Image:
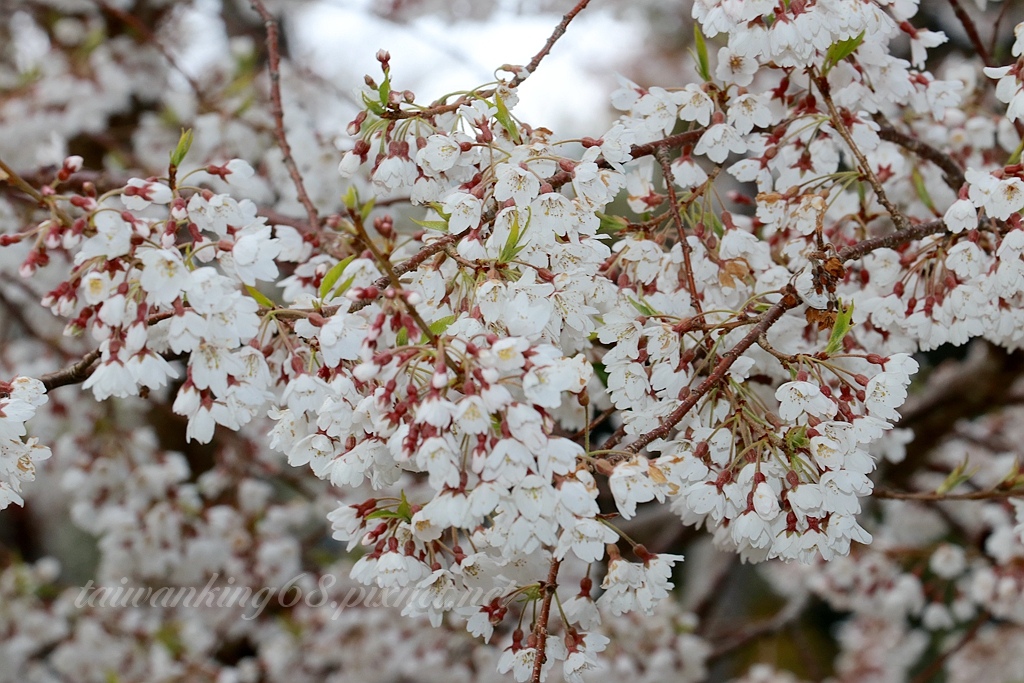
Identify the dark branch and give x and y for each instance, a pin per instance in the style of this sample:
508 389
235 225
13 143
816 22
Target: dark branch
274 68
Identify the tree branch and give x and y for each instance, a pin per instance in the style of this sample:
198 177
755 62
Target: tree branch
673 199
274 69
768 318
892 240
837 121
972 31
73 374
11 176
953 173
933 497
540 630
932 670
555 35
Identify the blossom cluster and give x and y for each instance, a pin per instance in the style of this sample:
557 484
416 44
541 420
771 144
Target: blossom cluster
19 400
713 311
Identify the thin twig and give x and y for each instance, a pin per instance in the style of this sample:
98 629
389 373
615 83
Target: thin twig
677 140
412 263
541 628
274 69
137 25
555 35
953 173
935 667
768 318
972 31
73 374
787 615
673 199
933 497
837 121
9 175
892 240
447 107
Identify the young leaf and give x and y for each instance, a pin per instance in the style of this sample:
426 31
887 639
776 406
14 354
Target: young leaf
351 198
702 53
184 143
958 476
611 224
511 248
844 321
441 324
372 105
505 119
364 212
442 226
260 297
841 50
404 509
383 514
333 274
922 191
343 287
643 308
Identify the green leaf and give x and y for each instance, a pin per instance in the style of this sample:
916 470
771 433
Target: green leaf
343 287
384 91
505 119
364 212
796 438
372 105
333 274
841 50
611 224
1015 157
404 509
184 143
702 53
351 198
922 191
441 324
716 224
432 225
643 308
402 337
958 476
383 514
260 297
511 248
844 322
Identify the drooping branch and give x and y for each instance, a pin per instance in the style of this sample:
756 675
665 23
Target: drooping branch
277 110
149 36
892 240
767 319
673 200
540 630
73 374
555 36
529 69
10 176
897 216
935 497
677 140
971 29
953 174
